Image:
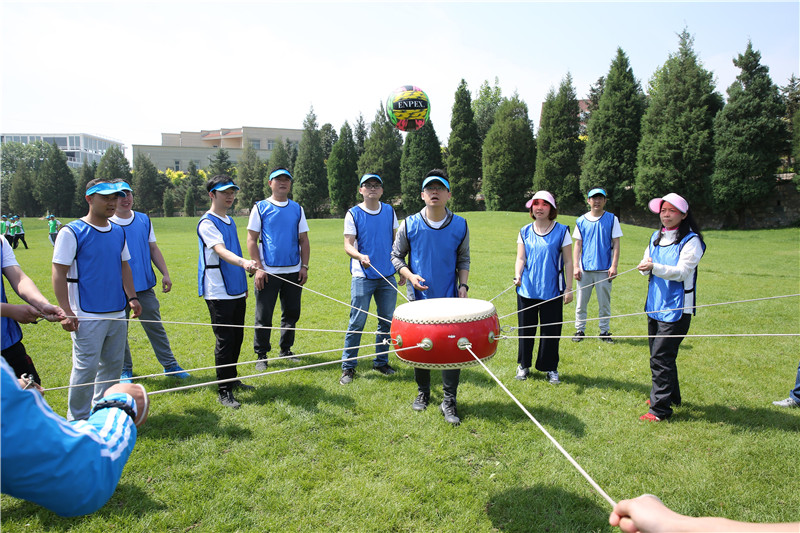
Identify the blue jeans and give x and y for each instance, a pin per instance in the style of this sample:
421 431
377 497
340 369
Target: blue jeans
795 393
361 291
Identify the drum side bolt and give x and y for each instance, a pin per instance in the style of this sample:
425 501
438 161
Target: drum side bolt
463 343
491 337
399 341
426 344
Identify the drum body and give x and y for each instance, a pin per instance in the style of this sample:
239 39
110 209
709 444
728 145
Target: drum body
444 327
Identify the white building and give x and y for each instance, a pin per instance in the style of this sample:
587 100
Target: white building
79 147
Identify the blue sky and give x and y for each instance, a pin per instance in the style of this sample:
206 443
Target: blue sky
132 70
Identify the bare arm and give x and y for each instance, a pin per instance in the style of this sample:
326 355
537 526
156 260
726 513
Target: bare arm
28 291
305 255
70 323
576 259
261 278
566 253
519 264
612 272
130 291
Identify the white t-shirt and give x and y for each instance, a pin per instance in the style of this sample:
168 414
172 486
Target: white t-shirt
254 224
9 259
214 286
64 254
616 231
127 222
350 229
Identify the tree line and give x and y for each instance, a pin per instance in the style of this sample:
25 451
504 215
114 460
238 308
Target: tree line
680 135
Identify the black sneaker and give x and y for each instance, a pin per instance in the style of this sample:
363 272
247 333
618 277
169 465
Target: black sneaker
421 402
290 355
238 385
226 398
448 409
261 362
386 370
347 376
606 337
578 337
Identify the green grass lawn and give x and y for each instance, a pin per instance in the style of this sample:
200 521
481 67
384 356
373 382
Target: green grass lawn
307 454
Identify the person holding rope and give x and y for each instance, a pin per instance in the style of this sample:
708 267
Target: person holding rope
71 469
282 260
369 230
36 307
670 262
141 240
93 283
544 255
222 281
595 260
436 242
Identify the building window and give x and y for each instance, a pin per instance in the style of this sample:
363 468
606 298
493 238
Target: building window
255 143
177 165
270 144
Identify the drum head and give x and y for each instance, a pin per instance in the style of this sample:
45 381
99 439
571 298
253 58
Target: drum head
444 311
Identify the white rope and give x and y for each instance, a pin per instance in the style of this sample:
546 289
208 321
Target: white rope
324 295
651 336
505 291
389 283
564 294
240 363
560 448
512 328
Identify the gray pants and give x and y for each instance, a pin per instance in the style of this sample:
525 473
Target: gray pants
97 349
151 310
584 294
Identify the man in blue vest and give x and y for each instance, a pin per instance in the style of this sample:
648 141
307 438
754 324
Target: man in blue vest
595 258
93 284
282 257
141 240
222 281
369 230
436 242
37 307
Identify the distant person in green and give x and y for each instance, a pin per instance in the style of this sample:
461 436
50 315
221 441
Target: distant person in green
5 229
53 226
19 232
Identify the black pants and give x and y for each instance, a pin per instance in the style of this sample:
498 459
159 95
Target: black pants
20 361
10 239
663 365
548 313
20 237
266 299
450 379
229 340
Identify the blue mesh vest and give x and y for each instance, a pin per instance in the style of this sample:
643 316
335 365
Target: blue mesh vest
543 276
596 242
279 233
665 298
374 237
137 235
99 267
433 254
233 277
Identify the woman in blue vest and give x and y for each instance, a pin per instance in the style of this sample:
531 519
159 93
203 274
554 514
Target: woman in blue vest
544 254
670 260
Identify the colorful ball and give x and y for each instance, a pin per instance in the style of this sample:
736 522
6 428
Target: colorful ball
408 108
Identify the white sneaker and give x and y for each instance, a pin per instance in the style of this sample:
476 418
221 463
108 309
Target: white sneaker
788 402
522 373
552 378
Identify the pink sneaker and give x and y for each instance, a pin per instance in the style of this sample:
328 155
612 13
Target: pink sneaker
649 417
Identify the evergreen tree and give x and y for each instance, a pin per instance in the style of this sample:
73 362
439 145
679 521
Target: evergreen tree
342 172
291 151
188 203
559 150
250 176
614 131
278 159
487 101
676 153
596 91
21 198
509 157
360 135
382 152
749 138
147 188
54 183
200 199
790 94
114 166
421 154
168 203
11 153
310 186
796 144
85 175
329 138
220 163
464 153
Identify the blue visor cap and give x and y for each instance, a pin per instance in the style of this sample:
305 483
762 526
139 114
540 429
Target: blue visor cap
436 178
280 171
118 188
366 177
595 192
225 186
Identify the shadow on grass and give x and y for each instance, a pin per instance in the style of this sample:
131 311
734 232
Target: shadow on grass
298 395
192 421
544 508
551 419
124 498
747 418
586 382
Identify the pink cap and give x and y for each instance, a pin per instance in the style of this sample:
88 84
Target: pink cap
542 195
674 199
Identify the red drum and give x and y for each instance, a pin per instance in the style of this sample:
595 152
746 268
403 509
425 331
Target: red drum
444 327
